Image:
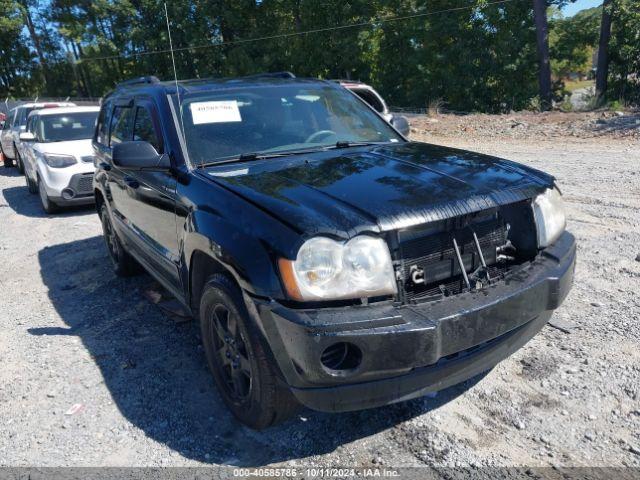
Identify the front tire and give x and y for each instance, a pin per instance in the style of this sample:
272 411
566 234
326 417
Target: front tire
19 164
244 375
31 185
124 265
47 204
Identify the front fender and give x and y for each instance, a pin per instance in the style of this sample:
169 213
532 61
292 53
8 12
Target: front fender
244 256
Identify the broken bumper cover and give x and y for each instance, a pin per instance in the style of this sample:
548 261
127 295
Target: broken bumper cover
412 350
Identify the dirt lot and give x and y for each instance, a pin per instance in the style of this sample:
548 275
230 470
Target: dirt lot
525 126
94 374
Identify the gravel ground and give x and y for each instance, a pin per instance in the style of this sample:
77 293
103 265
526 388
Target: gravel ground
623 125
94 374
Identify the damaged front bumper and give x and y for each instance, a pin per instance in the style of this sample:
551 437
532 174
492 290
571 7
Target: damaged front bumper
410 350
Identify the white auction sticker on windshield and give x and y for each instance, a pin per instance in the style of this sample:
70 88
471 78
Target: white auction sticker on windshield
215 112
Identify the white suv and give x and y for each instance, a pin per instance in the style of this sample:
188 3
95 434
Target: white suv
58 156
373 98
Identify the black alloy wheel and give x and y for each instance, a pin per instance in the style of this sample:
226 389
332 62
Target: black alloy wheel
234 356
245 374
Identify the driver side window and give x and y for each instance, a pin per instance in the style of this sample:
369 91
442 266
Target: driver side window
16 116
143 129
31 123
37 130
121 125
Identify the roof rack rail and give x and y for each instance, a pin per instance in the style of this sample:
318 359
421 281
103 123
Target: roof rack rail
139 80
344 80
272 75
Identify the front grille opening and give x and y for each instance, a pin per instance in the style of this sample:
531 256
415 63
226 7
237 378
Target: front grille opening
487 244
455 285
341 357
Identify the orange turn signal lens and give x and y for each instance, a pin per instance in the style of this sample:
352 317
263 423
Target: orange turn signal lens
289 279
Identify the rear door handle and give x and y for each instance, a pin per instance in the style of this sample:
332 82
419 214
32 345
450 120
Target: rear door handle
131 182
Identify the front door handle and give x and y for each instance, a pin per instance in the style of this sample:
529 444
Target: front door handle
131 182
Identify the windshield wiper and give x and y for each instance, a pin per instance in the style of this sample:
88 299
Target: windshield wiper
348 144
251 156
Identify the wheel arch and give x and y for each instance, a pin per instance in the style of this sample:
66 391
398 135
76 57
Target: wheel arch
213 245
203 266
99 198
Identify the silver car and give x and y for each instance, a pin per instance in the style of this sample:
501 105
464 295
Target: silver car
15 123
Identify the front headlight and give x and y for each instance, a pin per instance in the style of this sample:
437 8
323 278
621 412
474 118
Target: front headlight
548 210
325 269
59 161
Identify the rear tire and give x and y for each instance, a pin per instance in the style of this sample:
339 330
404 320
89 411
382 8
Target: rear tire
47 204
5 160
124 265
8 163
245 376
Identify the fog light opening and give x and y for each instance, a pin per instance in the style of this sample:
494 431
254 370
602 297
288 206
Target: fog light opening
68 194
341 358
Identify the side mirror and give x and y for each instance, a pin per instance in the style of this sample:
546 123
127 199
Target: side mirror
2 125
139 155
401 124
27 137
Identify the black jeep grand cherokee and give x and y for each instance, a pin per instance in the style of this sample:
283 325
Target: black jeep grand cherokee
331 262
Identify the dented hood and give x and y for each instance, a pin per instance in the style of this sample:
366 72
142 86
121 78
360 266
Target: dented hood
346 191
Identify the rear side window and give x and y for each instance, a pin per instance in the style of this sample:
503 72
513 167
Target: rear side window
121 125
143 129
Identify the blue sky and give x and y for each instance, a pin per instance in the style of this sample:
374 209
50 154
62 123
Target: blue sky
573 8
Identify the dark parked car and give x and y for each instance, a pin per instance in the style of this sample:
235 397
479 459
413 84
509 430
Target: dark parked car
330 262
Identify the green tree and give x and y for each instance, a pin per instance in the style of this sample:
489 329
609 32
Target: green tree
624 53
16 60
573 41
472 55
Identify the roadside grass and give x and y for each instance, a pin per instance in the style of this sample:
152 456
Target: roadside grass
572 85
